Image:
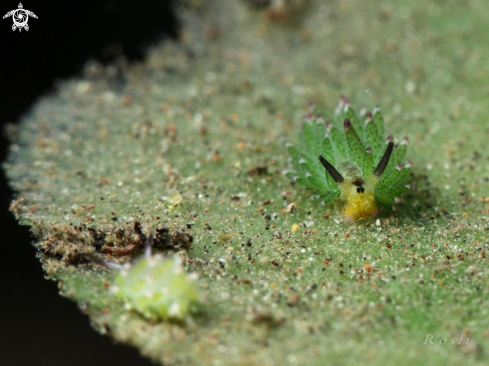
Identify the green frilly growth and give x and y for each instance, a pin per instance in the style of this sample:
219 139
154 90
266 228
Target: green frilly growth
354 145
157 287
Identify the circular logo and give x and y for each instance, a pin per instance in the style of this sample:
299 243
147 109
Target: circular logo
20 17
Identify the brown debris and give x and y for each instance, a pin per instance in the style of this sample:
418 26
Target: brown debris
177 240
260 170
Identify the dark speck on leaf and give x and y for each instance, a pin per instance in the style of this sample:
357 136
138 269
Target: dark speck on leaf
114 218
259 170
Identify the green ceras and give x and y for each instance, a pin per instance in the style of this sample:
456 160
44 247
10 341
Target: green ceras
354 164
155 286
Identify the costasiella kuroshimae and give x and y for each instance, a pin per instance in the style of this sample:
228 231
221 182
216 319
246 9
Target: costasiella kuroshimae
355 164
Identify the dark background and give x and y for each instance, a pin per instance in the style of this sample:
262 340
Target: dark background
37 326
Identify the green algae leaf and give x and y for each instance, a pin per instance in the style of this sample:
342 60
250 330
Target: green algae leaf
327 150
388 180
191 148
355 122
320 131
339 143
355 146
368 166
308 135
372 135
320 183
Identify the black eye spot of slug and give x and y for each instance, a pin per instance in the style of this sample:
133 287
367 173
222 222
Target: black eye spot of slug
360 189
